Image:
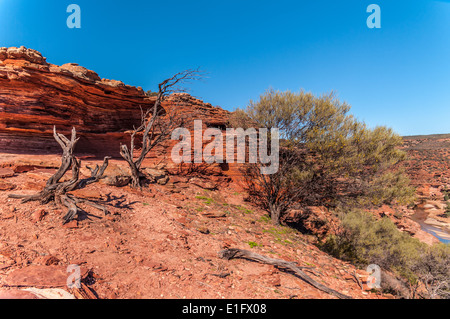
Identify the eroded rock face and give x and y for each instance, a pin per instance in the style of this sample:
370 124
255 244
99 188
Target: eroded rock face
36 95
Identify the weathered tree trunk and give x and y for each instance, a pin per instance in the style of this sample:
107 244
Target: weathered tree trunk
58 191
135 171
275 214
154 128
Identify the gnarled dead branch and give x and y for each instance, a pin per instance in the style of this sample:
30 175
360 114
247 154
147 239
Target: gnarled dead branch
57 191
156 124
240 253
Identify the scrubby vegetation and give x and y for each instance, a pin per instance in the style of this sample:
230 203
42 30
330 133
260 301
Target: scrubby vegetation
365 240
446 194
327 157
447 210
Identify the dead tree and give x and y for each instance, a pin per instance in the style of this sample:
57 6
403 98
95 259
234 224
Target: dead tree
57 191
156 124
241 253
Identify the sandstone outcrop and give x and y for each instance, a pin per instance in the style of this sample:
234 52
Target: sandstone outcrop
36 95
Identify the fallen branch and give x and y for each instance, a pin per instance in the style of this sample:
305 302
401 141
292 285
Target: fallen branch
245 254
83 292
357 280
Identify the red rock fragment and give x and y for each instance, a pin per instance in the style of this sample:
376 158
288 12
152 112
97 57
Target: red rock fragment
6 172
38 215
38 276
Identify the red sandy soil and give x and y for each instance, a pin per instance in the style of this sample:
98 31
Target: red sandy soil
161 242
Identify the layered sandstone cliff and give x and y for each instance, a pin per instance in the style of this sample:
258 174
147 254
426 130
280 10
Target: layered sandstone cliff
36 95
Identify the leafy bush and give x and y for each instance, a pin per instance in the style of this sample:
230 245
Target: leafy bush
447 210
326 157
365 240
433 270
446 193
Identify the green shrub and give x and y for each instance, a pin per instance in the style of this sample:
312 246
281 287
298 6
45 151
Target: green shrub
433 270
326 156
150 93
447 210
366 240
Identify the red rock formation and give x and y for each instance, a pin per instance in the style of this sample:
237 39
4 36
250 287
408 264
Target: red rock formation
36 95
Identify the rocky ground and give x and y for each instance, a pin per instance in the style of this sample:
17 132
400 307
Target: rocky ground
161 242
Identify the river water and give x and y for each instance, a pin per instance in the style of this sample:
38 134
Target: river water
440 233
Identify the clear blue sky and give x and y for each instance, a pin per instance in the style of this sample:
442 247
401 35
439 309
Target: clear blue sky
397 76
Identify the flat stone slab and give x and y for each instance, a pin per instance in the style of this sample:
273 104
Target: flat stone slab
6 172
17 294
6 186
35 293
38 276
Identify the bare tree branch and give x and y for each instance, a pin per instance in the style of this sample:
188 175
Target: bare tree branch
156 123
57 191
240 253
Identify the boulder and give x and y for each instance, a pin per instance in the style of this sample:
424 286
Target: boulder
155 175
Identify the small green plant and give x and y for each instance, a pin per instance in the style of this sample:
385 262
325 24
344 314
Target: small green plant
244 210
252 244
145 204
277 292
208 200
199 209
265 218
278 230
